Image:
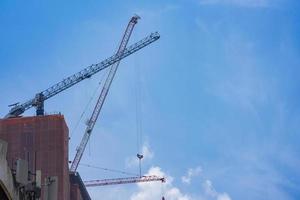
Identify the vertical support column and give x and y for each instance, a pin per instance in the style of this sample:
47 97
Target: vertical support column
39 104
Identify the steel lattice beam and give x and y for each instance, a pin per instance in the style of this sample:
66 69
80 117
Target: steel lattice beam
127 180
68 82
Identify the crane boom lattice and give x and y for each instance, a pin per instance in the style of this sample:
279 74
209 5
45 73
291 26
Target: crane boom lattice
127 180
38 100
103 94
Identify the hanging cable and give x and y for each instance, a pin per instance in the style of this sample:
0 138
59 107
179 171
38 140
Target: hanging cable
138 109
162 192
88 104
110 170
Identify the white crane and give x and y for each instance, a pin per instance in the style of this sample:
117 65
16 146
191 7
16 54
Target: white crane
91 122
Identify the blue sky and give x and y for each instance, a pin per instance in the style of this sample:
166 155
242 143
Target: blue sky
219 91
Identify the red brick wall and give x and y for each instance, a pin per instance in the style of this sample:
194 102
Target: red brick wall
43 141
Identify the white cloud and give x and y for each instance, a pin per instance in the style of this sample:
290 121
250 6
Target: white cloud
147 155
223 196
242 3
190 174
155 190
146 152
211 191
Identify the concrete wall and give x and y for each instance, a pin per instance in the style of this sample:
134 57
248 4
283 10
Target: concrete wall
6 178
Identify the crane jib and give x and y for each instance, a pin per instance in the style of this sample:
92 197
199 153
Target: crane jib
83 74
93 69
126 180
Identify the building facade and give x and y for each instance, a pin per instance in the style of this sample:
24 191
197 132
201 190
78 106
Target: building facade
43 142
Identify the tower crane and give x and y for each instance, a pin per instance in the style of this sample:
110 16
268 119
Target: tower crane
91 122
126 180
38 101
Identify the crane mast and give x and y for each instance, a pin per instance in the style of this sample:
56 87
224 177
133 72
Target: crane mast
38 100
127 180
91 122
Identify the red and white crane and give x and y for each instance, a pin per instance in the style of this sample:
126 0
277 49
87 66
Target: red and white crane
92 121
127 180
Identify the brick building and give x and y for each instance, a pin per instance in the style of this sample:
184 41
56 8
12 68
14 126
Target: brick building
43 142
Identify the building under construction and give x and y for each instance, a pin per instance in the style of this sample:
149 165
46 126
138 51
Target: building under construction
35 149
